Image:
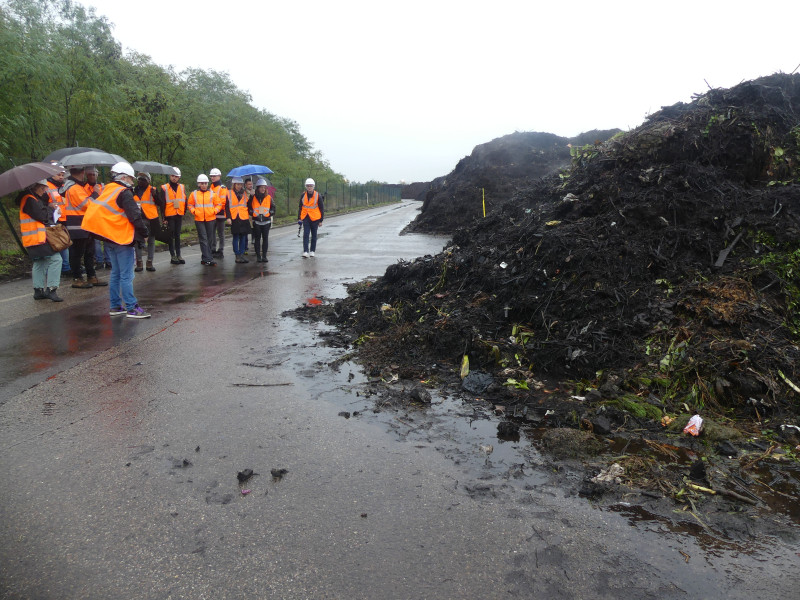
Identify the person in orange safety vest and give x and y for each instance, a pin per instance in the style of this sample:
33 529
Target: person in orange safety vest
204 206
174 195
76 200
36 213
310 214
115 217
54 183
149 201
262 207
217 241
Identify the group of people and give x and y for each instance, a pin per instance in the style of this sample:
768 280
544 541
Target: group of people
124 216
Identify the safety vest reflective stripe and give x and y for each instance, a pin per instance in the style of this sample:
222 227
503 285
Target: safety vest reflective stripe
238 206
203 205
104 217
175 201
262 208
311 207
223 195
147 204
56 199
76 200
32 230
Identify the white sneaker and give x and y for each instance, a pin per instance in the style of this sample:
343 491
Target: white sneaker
311 254
305 254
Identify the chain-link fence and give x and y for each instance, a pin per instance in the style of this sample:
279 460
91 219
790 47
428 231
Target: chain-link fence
339 196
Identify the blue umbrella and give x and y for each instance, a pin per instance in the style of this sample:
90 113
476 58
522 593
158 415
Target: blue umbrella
246 170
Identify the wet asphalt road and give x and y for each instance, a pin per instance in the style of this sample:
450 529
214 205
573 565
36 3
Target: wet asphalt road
120 442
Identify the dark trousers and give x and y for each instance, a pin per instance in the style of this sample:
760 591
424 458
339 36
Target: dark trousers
261 238
175 224
310 226
82 249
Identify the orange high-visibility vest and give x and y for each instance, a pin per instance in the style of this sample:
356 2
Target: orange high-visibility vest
147 203
238 206
204 206
56 199
90 188
311 207
261 209
175 201
32 230
104 217
76 200
221 192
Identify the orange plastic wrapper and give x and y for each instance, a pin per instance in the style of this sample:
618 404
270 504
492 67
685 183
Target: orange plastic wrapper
694 426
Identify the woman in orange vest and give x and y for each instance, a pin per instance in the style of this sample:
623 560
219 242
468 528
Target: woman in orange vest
35 213
115 218
54 184
310 215
149 202
263 209
238 215
204 206
174 195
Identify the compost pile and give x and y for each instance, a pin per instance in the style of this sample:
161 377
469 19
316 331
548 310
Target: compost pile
490 176
658 274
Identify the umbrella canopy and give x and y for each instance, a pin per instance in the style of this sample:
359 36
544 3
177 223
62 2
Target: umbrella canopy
245 170
22 176
149 166
92 158
57 155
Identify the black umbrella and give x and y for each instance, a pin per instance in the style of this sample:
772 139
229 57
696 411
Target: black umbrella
57 155
97 158
22 176
149 166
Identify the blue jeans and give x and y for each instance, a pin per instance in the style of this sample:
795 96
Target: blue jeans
310 226
239 243
65 260
100 252
120 283
47 271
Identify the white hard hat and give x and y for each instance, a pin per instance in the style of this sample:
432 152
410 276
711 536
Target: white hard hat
202 178
42 182
237 180
310 181
261 181
177 171
144 175
122 168
215 171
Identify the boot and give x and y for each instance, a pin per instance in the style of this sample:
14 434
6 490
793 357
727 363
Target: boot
39 294
174 260
81 283
239 259
139 267
244 260
150 266
51 293
180 260
95 281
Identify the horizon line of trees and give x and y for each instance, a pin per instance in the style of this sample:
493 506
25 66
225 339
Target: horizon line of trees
66 82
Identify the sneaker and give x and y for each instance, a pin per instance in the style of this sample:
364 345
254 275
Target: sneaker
137 312
311 254
117 310
305 254
181 261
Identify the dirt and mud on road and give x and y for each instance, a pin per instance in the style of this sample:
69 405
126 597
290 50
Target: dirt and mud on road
595 310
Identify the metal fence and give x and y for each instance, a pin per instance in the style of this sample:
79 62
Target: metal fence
339 196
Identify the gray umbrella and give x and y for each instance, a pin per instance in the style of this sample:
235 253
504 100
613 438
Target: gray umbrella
96 158
58 155
149 166
22 176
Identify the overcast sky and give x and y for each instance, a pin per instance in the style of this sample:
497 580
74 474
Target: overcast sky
402 91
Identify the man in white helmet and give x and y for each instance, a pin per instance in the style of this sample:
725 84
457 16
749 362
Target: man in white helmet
310 215
116 218
217 241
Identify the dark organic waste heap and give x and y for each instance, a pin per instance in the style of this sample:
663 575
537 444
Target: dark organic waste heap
665 260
